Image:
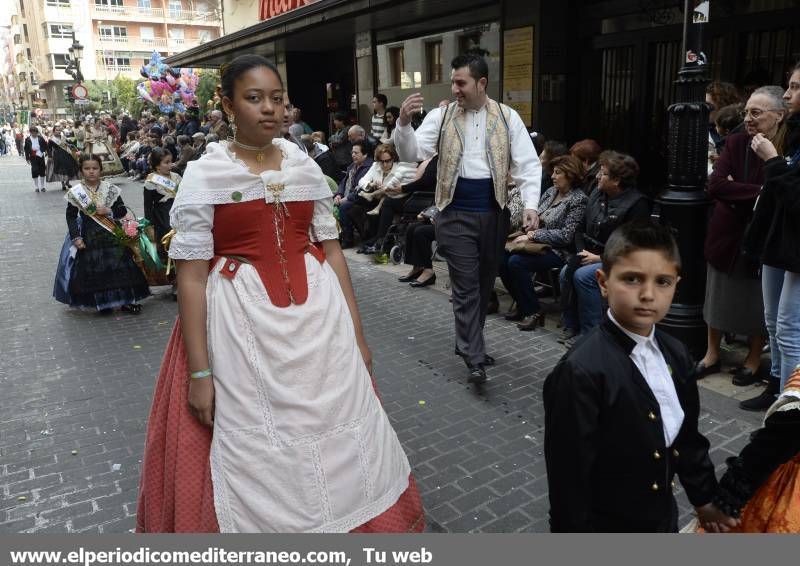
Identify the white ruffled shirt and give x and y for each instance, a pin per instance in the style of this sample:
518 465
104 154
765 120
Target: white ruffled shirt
219 178
524 167
650 362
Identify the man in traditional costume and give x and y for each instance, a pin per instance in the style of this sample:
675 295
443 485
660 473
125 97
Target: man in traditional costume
480 143
35 149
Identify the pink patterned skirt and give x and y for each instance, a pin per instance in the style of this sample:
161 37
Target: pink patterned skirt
176 494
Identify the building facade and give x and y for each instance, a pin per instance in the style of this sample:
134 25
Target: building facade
118 37
603 69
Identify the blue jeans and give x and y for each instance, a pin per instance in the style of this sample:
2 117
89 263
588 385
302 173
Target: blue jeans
516 272
781 291
344 218
587 297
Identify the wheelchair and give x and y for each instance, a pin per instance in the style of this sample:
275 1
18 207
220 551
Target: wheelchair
395 239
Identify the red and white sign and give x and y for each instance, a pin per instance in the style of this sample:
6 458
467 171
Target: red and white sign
80 92
270 8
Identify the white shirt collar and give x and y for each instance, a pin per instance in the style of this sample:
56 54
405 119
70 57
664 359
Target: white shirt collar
638 338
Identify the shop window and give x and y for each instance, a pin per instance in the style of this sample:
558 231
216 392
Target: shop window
397 64
469 41
433 61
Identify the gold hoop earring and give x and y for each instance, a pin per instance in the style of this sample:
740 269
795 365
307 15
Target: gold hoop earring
232 119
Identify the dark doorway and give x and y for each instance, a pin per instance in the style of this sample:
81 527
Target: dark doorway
321 83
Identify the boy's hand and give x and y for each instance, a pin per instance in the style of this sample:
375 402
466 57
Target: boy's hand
715 521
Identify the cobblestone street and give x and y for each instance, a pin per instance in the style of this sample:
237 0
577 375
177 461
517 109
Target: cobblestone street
76 390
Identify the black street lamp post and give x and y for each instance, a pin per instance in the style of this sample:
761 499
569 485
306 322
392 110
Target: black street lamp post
75 56
684 204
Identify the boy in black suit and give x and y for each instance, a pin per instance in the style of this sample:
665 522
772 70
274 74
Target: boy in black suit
621 407
35 148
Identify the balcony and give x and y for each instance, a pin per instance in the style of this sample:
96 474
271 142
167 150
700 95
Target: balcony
193 17
127 13
132 43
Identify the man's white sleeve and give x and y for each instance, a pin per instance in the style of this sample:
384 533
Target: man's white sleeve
525 168
414 146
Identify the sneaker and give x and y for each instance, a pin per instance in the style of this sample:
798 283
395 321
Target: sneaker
767 397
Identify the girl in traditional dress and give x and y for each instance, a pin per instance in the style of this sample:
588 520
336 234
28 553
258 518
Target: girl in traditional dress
104 275
35 149
264 416
160 188
65 166
762 485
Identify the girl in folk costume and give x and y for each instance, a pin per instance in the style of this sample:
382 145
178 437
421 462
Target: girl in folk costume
762 485
104 275
265 417
35 149
62 155
160 188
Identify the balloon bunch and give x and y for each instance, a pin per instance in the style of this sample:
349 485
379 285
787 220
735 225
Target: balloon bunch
166 88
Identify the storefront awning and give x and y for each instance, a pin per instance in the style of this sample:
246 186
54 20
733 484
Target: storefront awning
332 23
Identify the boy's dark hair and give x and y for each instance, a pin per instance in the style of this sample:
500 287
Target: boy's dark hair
478 68
636 236
729 117
380 97
89 157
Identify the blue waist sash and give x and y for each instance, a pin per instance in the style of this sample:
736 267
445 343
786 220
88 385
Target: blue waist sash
473 195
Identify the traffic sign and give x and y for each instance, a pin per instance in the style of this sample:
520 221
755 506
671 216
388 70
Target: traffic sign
80 92
82 101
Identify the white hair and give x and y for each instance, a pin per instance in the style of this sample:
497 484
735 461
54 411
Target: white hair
775 95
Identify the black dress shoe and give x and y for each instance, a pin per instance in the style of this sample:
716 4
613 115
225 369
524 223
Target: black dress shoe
514 316
744 377
477 374
409 278
487 359
767 397
701 370
427 283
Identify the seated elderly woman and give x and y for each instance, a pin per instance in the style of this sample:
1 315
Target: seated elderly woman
384 180
616 202
561 210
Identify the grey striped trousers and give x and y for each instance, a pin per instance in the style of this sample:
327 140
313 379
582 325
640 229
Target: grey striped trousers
472 244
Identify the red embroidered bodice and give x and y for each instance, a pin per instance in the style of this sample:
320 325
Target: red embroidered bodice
274 239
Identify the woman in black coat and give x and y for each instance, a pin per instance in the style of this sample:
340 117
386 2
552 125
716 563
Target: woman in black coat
772 237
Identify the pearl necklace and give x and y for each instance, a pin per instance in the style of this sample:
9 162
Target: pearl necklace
259 150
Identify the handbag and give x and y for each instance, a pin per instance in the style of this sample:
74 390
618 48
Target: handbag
530 248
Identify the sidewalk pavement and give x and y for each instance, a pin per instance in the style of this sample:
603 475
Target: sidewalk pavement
77 389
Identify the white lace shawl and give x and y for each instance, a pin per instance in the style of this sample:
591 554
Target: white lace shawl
219 178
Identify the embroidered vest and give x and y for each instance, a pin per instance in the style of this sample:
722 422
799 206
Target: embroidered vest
451 151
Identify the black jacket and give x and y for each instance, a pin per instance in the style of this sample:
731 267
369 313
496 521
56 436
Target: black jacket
604 215
608 469
774 231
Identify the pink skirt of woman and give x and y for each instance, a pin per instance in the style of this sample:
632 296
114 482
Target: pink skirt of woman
176 494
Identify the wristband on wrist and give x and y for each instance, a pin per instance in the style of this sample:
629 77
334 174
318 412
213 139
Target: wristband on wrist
201 374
